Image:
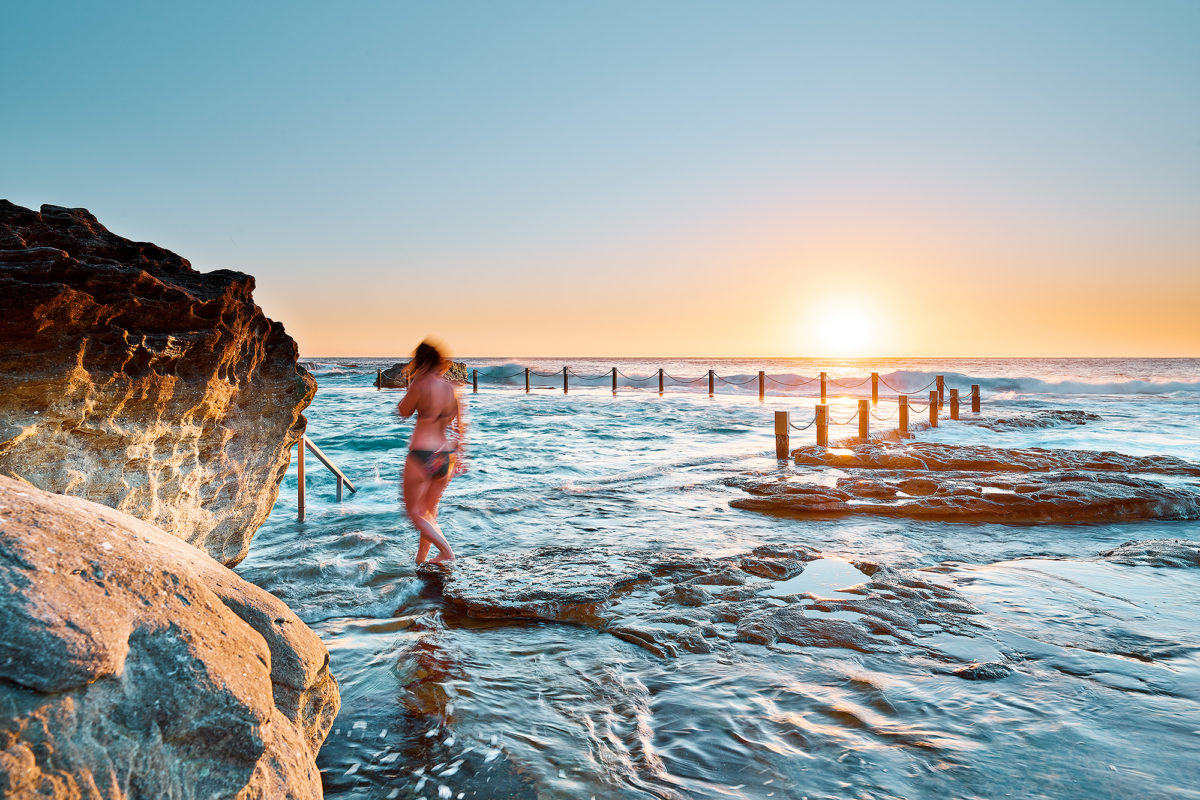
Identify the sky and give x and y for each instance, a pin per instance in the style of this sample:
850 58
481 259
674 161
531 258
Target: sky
583 178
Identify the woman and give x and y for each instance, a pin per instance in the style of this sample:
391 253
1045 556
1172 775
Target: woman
431 455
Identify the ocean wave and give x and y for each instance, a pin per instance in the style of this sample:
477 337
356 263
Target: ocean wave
776 382
598 482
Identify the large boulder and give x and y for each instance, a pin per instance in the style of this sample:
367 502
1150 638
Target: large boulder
131 379
396 377
133 665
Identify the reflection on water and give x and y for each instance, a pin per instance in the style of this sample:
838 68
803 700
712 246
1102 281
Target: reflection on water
615 629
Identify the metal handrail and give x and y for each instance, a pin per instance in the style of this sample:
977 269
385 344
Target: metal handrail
308 443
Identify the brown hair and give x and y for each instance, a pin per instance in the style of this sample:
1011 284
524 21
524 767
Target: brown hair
427 356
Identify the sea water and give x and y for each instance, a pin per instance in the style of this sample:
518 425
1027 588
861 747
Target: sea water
594 534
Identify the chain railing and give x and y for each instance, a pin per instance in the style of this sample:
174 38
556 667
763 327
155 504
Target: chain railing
821 418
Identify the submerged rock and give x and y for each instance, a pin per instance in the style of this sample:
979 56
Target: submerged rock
977 484
1049 418
394 377
131 379
133 665
1156 553
985 671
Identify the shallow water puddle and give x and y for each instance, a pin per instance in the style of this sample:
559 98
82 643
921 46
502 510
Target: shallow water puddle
819 578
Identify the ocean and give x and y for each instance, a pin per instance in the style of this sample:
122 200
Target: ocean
615 628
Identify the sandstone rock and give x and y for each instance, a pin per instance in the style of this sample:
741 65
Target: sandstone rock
129 378
133 665
394 378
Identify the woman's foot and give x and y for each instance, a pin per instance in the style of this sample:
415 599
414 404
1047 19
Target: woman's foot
441 558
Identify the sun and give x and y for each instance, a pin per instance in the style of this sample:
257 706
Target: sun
841 328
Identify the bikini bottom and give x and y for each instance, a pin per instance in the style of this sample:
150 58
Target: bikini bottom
437 463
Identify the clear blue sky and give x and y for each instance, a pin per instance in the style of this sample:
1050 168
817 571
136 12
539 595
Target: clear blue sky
635 178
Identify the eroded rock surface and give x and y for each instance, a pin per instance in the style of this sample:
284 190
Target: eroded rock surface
133 665
131 379
976 484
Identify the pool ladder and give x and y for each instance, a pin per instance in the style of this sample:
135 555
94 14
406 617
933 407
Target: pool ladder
307 443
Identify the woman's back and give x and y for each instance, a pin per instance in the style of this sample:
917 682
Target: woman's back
436 407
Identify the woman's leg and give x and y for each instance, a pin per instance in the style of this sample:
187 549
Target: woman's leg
416 487
433 496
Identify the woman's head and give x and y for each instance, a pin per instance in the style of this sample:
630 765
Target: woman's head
426 357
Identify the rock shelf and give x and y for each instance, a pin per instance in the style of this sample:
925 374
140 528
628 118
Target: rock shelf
976 484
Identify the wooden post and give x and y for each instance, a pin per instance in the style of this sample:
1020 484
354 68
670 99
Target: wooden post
782 423
710 383
933 408
475 381
660 382
300 478
762 384
874 387
527 380
864 419
339 488
564 380
822 425
941 390
822 387
903 401
614 381
975 398
954 404
378 379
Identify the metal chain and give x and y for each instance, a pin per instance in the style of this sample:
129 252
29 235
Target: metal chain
922 410
629 378
789 383
836 382
796 427
681 380
893 415
914 391
545 374
589 377
833 421
736 383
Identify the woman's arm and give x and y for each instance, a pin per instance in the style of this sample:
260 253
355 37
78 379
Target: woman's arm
408 403
460 417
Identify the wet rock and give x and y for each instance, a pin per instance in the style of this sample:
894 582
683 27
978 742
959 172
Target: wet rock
1049 418
131 379
395 377
792 625
133 665
1156 553
673 606
557 583
978 484
985 671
